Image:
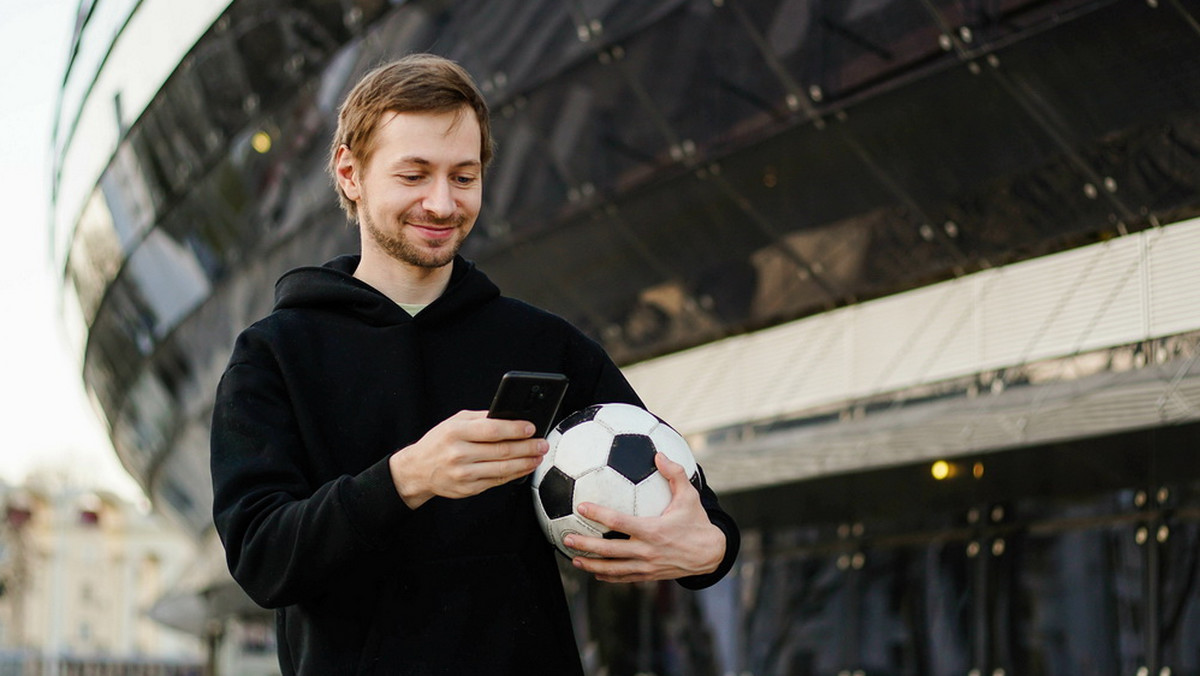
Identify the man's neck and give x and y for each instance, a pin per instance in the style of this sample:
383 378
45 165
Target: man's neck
403 282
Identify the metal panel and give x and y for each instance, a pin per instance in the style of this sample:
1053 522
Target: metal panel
807 367
1174 280
914 337
1082 299
1066 304
1017 417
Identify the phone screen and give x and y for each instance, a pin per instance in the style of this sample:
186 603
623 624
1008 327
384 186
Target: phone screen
529 395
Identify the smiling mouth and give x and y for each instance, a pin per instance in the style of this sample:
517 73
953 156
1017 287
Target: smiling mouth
434 231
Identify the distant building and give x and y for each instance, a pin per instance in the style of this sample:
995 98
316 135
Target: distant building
78 573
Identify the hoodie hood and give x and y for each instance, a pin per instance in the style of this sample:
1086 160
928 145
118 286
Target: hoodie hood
332 287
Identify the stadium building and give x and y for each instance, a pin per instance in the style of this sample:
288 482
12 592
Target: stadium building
919 279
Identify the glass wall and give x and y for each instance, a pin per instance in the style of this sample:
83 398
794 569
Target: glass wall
1075 559
683 169
122 53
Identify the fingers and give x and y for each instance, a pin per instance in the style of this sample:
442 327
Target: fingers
685 503
484 465
465 455
639 530
481 476
680 542
690 549
476 426
618 560
611 519
598 548
485 452
474 437
464 479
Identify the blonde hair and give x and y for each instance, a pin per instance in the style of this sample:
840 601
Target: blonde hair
421 83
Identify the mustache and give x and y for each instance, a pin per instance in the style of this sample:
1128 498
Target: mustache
422 217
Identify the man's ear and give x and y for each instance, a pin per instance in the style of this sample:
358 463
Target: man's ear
348 173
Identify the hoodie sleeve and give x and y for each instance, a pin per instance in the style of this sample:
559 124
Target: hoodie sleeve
283 536
733 538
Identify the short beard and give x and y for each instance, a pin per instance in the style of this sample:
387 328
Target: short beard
402 250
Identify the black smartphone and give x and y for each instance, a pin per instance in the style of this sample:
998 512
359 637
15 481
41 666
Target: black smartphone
529 395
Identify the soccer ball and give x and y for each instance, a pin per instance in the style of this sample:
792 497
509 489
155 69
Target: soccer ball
604 454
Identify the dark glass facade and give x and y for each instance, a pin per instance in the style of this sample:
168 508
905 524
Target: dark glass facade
685 170
1075 559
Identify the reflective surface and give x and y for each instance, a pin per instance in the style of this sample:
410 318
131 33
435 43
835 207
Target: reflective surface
1179 594
1053 562
1070 603
120 56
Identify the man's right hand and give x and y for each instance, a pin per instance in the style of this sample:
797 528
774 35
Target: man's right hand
465 455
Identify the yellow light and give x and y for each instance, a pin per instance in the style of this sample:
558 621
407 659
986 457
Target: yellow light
940 470
261 142
977 470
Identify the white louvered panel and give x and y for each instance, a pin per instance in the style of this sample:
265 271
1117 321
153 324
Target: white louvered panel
779 371
1025 303
1103 309
882 331
747 377
816 370
682 382
740 373
764 357
1084 299
662 383
1012 308
1174 295
923 335
956 351
1077 301
711 383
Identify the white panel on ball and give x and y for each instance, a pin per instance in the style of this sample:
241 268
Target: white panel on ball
668 442
653 495
624 418
605 487
560 528
581 448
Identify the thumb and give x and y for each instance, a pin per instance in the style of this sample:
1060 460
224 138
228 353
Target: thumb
674 473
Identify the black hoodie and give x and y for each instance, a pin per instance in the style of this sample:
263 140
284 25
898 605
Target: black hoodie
315 398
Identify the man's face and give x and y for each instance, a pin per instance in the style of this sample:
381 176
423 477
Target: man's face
420 193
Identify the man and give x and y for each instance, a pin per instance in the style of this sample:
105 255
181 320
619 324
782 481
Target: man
359 487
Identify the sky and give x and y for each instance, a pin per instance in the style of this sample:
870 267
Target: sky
47 424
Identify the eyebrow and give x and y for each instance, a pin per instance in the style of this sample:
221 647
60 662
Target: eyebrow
422 162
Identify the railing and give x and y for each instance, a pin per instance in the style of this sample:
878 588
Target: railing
31 663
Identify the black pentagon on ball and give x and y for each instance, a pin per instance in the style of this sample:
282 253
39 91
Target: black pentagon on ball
556 492
632 456
616 535
578 418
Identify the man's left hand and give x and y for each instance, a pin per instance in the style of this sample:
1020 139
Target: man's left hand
679 543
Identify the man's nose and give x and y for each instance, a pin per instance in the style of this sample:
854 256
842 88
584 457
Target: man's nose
439 201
